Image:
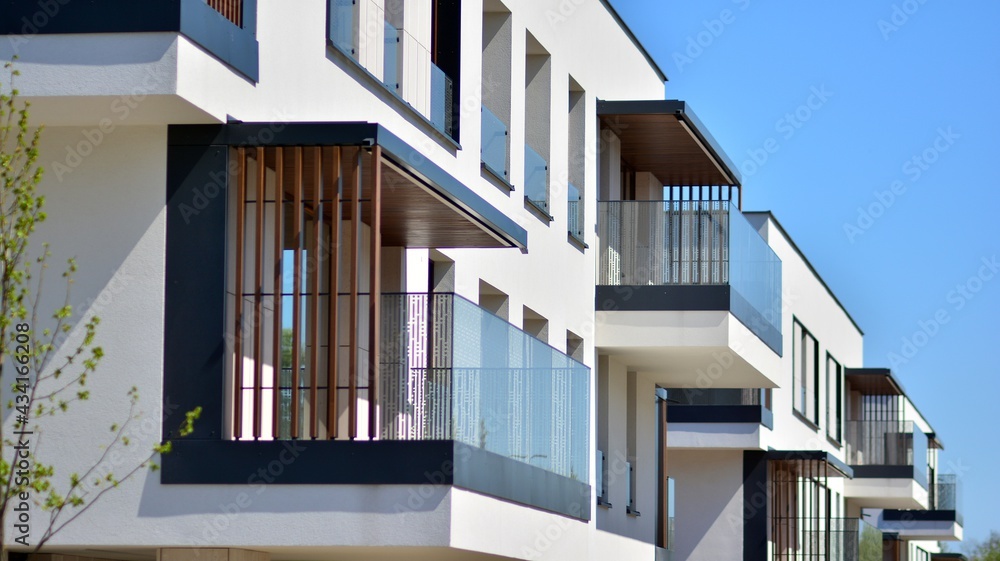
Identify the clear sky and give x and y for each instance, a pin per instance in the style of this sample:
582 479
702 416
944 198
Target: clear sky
857 99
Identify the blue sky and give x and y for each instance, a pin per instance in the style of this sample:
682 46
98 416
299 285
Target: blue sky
880 125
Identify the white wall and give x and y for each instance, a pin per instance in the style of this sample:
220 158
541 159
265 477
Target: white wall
709 502
109 210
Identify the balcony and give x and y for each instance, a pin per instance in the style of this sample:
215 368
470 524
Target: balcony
889 459
942 521
689 283
718 419
177 56
450 370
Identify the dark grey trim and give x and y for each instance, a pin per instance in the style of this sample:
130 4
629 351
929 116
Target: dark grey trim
683 112
495 178
805 260
194 317
753 414
814 455
194 19
685 298
755 501
635 40
883 472
577 242
894 515
345 462
358 134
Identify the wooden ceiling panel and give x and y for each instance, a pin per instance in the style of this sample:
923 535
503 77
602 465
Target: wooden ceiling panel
663 146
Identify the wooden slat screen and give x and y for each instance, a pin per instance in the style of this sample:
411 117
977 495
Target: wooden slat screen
306 245
230 9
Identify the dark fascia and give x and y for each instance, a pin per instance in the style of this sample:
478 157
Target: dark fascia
346 462
194 19
635 40
745 414
894 515
805 260
358 134
683 112
949 555
811 455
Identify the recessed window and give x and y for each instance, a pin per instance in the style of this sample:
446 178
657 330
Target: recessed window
576 172
834 398
496 87
805 372
537 125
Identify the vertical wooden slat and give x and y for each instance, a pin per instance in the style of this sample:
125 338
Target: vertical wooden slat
258 300
375 291
314 293
241 185
352 351
333 344
297 289
279 247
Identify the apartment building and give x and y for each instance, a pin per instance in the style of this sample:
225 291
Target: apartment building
449 280
834 462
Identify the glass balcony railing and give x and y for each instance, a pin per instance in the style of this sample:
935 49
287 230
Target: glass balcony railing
946 494
442 101
391 57
574 211
692 242
494 149
342 25
887 443
450 370
536 178
829 539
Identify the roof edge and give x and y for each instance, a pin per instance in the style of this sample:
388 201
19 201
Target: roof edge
681 110
635 40
805 260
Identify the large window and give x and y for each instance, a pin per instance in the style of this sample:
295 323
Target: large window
834 398
805 373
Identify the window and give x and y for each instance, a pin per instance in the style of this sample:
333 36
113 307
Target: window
834 398
537 125
497 41
805 373
577 161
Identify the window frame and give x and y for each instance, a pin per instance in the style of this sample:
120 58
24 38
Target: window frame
800 336
835 432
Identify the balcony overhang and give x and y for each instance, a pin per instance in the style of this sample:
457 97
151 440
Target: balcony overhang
833 467
665 138
234 45
890 490
423 206
688 349
944 525
874 381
